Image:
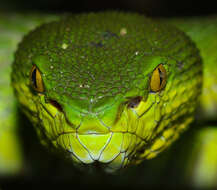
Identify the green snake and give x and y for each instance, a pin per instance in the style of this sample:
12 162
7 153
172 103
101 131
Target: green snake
109 88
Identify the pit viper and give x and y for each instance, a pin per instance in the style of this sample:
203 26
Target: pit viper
110 88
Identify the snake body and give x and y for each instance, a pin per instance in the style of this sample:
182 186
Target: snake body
109 88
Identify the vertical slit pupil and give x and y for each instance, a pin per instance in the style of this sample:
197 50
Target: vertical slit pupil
34 78
161 76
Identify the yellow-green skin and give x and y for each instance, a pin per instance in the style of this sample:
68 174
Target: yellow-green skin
93 65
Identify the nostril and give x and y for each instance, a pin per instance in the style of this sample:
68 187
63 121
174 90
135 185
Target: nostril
56 104
134 102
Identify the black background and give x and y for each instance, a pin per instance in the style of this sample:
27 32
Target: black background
148 7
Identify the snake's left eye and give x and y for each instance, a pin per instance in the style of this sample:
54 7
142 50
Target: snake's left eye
36 79
158 78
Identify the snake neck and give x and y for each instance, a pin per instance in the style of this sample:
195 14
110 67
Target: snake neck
203 31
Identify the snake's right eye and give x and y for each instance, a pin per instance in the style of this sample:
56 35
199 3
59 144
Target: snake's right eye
36 79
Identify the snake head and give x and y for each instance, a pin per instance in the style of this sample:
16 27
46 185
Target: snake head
109 88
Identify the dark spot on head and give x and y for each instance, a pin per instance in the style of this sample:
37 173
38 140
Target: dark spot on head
103 37
107 35
97 44
180 65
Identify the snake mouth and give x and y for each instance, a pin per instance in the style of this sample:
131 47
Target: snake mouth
113 149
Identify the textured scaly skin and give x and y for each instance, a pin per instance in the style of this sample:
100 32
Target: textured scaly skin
92 69
203 32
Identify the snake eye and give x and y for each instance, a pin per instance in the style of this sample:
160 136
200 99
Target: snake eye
158 78
36 79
